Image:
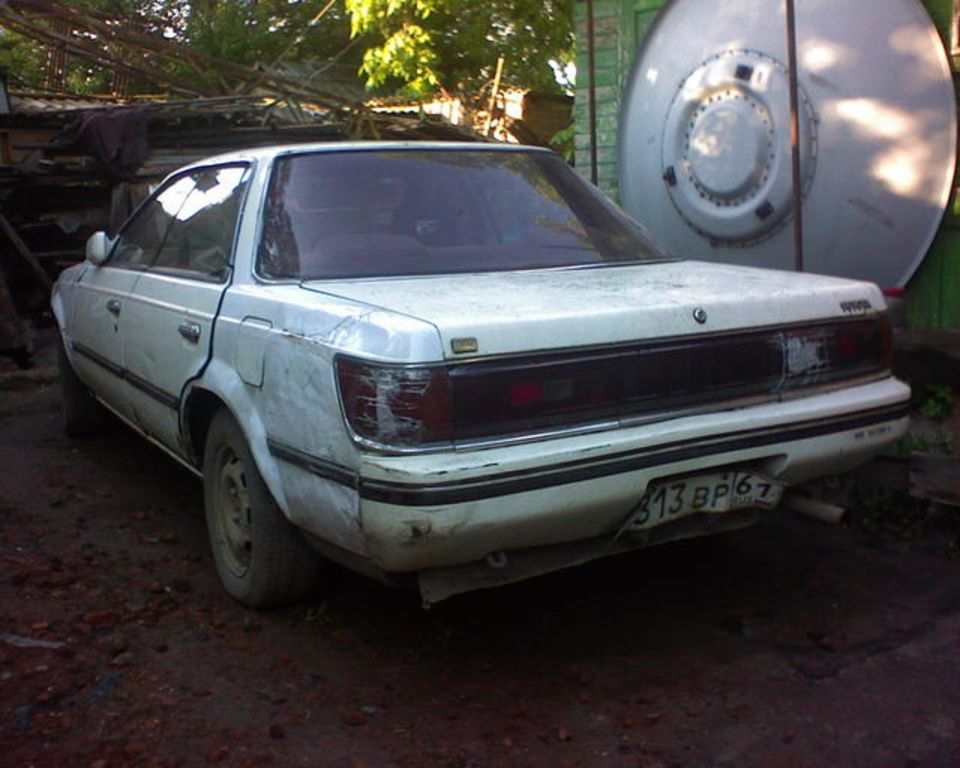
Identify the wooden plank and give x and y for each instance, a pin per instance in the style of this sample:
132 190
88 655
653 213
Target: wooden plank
24 251
13 337
935 478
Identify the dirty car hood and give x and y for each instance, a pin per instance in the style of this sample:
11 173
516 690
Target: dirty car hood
511 312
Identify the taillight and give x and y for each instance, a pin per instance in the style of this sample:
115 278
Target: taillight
401 407
516 396
396 406
825 353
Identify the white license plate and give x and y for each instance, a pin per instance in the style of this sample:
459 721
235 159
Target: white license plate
713 493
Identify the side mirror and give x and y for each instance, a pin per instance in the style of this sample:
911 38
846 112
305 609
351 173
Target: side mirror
98 248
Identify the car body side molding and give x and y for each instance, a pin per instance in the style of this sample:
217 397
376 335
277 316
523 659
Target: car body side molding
162 397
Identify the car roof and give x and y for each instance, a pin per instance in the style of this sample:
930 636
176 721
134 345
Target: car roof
267 153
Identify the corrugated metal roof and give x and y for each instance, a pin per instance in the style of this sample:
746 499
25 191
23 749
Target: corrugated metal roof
280 110
43 104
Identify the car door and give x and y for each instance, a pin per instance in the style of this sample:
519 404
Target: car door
97 321
170 313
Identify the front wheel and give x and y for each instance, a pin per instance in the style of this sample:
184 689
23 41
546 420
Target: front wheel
261 558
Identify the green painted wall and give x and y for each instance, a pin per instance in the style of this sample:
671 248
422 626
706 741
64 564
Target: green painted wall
941 11
933 296
619 27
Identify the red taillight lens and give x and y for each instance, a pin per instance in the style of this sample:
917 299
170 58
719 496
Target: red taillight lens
863 344
394 405
836 352
526 393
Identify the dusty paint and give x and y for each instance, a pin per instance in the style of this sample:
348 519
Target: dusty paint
299 401
250 351
273 365
538 310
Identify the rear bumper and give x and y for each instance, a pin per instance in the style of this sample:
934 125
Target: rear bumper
428 511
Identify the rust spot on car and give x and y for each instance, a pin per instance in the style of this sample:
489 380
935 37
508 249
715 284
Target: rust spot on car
419 529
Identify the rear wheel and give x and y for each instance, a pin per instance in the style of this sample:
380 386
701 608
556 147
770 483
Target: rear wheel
261 558
82 414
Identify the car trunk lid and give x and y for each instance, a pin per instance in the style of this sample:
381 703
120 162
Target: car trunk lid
539 310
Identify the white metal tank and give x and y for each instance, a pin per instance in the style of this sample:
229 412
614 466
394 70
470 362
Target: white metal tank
705 150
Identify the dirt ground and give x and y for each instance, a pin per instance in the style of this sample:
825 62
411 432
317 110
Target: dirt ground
790 644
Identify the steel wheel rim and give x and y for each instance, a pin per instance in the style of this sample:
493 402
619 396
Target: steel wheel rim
232 513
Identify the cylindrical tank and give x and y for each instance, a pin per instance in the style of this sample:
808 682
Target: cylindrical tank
704 134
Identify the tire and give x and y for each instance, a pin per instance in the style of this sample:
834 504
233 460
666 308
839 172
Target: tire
82 415
261 558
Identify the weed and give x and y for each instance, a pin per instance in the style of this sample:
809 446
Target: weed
939 442
879 510
935 401
319 615
909 446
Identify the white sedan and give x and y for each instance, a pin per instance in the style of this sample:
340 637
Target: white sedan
457 363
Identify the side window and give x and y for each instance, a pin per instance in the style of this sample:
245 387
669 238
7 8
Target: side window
140 240
201 234
188 227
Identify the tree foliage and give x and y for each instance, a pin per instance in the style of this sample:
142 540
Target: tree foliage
252 31
417 46
453 45
243 31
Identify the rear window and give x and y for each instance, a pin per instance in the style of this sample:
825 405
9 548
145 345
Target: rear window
420 212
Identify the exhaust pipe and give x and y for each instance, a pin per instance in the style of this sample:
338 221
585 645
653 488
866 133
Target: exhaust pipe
818 510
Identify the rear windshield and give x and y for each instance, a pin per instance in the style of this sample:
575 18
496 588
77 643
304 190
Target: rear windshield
423 212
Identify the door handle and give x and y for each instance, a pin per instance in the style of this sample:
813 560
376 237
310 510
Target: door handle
190 331
113 307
